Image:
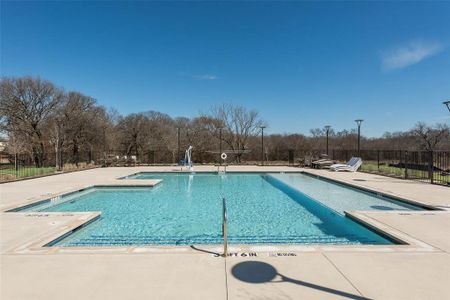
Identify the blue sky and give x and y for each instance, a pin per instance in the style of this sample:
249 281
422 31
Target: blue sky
300 64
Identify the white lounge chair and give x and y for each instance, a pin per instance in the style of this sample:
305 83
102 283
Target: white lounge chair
322 163
352 165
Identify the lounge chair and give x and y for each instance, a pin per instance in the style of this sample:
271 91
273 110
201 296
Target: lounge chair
307 161
352 165
322 163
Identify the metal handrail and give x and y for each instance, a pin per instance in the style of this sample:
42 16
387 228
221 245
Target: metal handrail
224 227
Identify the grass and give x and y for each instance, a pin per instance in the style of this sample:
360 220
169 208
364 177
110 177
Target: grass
372 167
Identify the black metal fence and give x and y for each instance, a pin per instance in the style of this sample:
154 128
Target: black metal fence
23 165
428 166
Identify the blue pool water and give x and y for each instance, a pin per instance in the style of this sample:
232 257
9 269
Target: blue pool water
338 197
186 209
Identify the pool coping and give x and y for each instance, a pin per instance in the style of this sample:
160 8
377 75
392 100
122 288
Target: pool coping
406 242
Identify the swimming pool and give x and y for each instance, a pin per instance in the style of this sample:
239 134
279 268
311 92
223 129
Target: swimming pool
186 209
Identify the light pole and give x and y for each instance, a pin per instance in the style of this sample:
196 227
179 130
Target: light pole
358 122
262 144
178 145
220 145
327 130
447 103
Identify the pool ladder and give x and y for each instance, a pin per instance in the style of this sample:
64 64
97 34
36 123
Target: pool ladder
224 227
223 170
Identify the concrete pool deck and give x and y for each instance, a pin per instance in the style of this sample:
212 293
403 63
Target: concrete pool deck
271 273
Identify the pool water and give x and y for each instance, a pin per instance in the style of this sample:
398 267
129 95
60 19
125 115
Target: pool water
338 197
186 209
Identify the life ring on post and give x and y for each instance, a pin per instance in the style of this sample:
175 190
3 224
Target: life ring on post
223 156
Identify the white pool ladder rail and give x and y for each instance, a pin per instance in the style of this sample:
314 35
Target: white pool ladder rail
188 159
224 227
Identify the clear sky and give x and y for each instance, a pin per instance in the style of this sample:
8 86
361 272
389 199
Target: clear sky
300 64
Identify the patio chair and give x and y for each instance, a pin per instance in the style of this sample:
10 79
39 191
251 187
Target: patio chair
352 165
307 160
322 163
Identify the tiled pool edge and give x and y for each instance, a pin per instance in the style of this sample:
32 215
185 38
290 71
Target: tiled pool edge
39 245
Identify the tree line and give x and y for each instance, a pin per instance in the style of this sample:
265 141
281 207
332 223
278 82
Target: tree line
39 119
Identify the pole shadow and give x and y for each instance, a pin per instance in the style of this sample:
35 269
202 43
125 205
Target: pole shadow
259 272
204 250
381 207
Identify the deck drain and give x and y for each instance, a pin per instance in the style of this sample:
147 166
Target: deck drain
359 179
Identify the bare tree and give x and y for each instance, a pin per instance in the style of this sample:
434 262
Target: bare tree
16 145
239 125
25 104
429 136
317 132
133 130
74 125
36 117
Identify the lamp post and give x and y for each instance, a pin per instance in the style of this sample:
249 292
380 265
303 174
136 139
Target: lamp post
178 145
327 130
358 122
220 145
447 103
262 144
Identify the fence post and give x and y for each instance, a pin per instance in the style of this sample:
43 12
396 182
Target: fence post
406 164
378 160
291 157
56 160
430 166
16 166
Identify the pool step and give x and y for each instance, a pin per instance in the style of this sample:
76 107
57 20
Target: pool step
100 240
